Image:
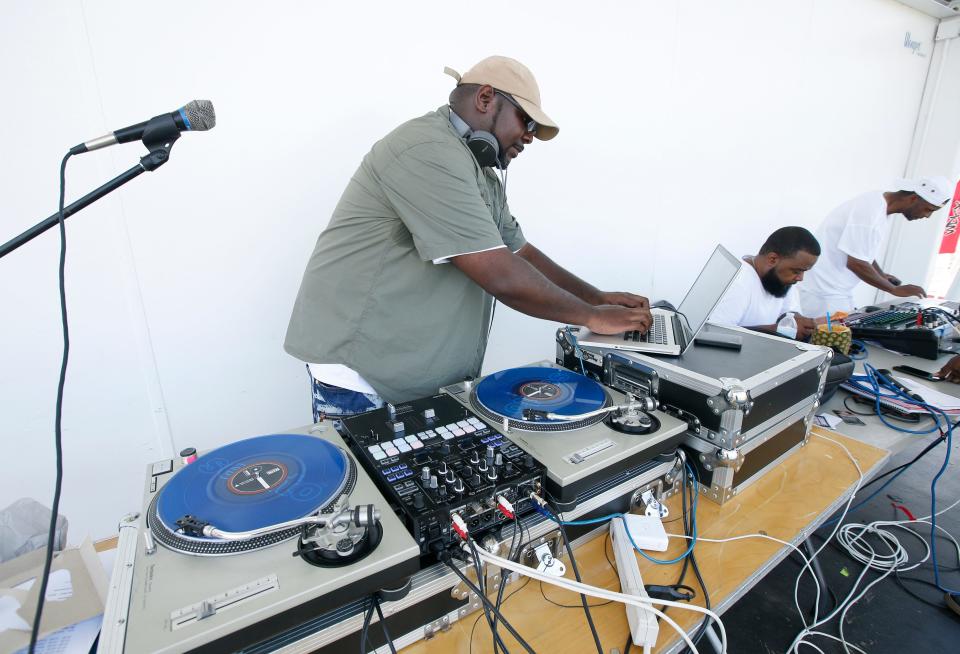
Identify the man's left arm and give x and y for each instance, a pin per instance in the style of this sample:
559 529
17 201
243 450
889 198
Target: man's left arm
576 286
890 278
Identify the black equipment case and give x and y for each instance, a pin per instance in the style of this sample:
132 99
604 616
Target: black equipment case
746 409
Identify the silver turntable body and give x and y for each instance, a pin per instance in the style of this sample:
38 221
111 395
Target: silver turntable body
589 453
163 600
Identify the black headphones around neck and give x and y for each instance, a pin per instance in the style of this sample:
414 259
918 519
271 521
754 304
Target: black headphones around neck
485 148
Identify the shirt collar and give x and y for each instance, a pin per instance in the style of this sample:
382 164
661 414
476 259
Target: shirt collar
458 124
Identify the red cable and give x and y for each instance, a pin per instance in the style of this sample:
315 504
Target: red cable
905 510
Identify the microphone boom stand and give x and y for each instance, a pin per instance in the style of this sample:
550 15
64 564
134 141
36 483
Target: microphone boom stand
158 135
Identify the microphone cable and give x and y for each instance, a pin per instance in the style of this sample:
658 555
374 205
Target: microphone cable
58 433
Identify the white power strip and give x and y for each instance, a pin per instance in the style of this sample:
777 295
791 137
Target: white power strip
644 628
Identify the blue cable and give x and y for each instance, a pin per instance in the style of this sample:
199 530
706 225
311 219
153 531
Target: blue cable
933 515
863 346
576 349
693 526
936 478
877 380
869 497
567 523
877 383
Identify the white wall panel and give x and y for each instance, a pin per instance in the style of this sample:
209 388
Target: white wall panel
681 125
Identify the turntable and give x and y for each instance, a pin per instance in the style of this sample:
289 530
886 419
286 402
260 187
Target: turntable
586 435
251 540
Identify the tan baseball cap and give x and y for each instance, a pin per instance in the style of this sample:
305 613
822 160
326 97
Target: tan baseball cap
510 76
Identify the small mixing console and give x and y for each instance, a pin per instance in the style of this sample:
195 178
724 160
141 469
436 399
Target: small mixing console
906 327
432 458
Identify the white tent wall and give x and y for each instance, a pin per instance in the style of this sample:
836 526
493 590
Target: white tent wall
912 247
682 125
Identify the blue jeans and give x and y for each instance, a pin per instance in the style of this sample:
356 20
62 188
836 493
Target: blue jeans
333 401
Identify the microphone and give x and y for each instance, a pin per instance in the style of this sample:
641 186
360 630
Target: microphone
195 116
906 391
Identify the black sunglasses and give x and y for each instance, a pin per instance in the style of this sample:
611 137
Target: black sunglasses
531 125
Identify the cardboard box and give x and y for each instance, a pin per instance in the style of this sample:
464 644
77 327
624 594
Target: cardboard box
77 580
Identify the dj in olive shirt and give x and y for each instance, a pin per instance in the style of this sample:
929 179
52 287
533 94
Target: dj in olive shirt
378 294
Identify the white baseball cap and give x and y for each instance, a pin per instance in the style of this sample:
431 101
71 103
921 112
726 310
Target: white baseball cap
935 190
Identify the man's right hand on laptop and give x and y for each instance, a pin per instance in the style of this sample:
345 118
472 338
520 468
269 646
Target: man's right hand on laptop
613 319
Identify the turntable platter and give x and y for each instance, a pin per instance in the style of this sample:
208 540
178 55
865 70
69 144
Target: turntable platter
507 394
249 485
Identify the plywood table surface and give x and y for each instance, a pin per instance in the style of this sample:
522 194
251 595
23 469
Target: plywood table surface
786 503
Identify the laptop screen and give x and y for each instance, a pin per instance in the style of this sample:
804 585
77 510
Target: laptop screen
707 290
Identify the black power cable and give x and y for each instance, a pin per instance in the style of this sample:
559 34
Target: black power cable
909 463
613 566
941 604
445 558
687 529
368 615
576 573
517 529
506 599
58 433
499 604
383 624
911 419
481 584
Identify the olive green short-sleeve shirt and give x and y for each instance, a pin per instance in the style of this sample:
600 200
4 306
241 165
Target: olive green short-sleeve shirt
372 298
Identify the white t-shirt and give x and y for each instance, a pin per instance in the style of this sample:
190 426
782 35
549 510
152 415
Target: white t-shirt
748 304
857 228
336 374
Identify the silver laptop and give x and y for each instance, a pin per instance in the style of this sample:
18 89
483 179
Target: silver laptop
670 333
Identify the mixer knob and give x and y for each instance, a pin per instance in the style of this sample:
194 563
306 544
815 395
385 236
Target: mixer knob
499 460
509 469
433 482
475 481
458 487
492 475
429 415
450 476
425 473
445 448
528 461
442 468
474 457
418 500
483 466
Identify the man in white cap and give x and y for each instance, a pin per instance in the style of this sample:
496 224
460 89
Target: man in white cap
852 236
397 297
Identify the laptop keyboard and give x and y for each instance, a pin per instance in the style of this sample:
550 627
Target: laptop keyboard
656 335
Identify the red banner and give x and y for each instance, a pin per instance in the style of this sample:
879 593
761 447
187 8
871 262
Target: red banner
951 232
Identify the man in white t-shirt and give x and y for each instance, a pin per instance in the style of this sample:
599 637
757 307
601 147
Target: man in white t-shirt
763 291
852 236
